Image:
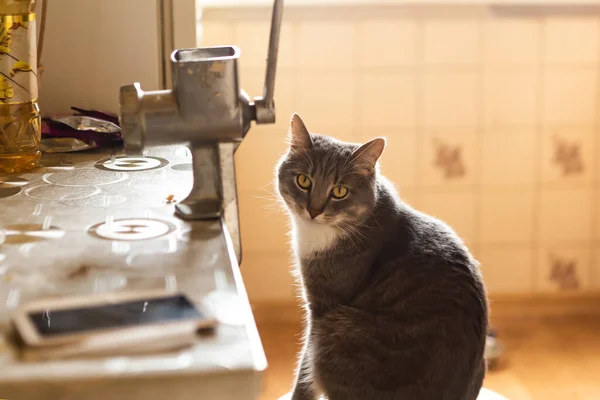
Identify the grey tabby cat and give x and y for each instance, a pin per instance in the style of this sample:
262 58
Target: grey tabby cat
395 303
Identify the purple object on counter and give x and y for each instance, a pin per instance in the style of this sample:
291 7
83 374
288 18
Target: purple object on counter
93 127
98 114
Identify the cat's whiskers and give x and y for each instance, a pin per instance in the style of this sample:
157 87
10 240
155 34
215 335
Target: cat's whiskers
271 210
368 227
263 188
264 197
350 232
352 239
276 204
273 206
358 235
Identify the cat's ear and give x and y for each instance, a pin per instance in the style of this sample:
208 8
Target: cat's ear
367 155
299 136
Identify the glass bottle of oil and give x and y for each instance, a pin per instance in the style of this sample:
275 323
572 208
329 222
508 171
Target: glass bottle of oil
20 124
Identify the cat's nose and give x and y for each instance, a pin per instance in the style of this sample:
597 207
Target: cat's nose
313 212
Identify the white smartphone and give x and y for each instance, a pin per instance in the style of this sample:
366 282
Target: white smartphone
110 320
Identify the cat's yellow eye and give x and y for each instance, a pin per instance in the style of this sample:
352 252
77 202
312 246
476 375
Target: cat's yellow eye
339 192
303 182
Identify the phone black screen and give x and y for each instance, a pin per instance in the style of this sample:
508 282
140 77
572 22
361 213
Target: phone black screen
120 315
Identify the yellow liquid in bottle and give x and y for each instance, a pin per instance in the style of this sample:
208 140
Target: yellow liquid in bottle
20 122
20 131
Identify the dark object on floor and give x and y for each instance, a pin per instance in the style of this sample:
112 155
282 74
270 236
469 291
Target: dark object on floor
493 349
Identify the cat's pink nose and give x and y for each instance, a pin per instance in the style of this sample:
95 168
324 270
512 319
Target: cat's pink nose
313 212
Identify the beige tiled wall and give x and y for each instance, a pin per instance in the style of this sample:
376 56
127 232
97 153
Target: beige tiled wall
491 120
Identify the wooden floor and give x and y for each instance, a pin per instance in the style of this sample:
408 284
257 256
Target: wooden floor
546 359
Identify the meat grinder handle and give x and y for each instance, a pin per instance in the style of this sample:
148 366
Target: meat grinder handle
265 105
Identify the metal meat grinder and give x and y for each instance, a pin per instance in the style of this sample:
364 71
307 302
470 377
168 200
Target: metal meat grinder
207 111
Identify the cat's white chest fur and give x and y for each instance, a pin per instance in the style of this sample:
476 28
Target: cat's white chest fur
309 237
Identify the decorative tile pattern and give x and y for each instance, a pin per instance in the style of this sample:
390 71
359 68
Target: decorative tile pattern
567 157
449 160
565 216
252 37
389 100
399 160
451 99
326 44
564 268
512 42
491 124
507 269
377 51
571 40
456 208
326 101
255 173
510 98
563 272
259 206
506 217
509 158
569 96
464 37
216 33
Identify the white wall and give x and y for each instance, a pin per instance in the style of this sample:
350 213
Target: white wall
93 47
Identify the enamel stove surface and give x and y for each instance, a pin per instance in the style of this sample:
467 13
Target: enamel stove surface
87 223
